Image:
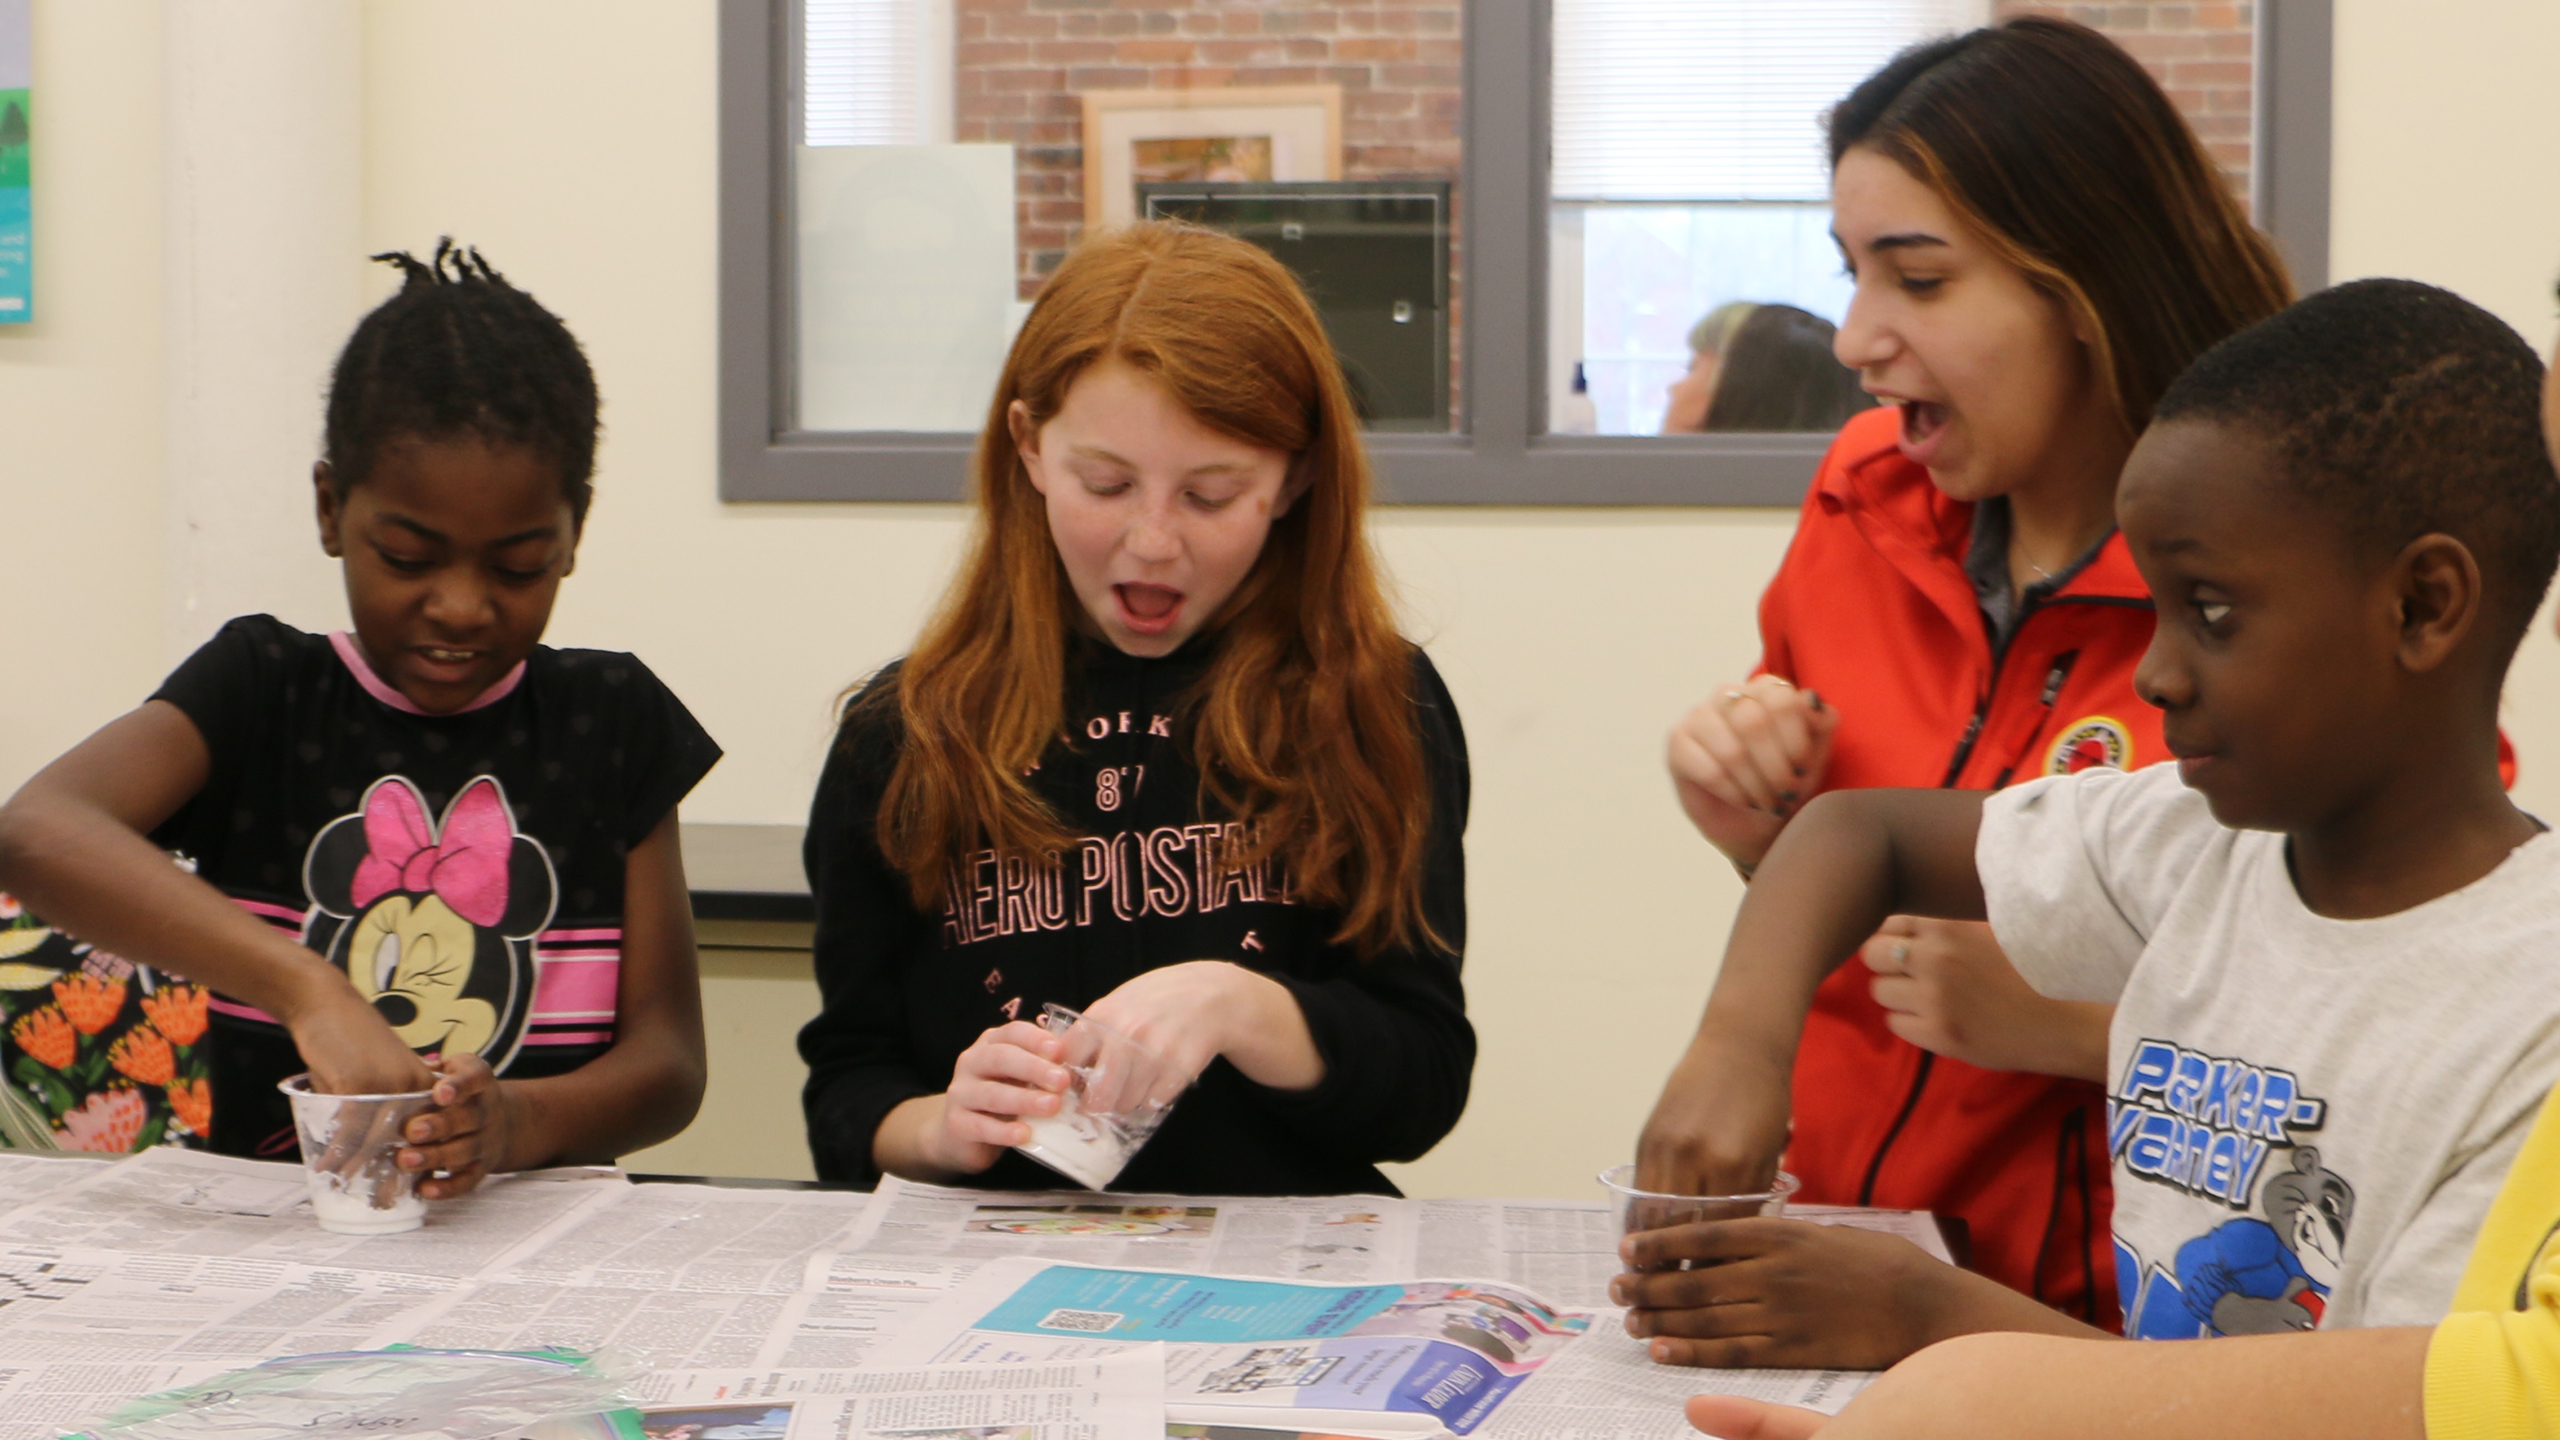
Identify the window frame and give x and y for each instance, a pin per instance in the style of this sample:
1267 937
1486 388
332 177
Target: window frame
1498 457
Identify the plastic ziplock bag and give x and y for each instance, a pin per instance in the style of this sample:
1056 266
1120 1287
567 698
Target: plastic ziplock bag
394 1394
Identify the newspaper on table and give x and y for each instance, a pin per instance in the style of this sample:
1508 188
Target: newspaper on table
837 1311
701 1237
41 1401
28 1176
1608 1388
1398 1359
167 1201
1108 1397
1330 1238
126 1277
1568 1249
102 1306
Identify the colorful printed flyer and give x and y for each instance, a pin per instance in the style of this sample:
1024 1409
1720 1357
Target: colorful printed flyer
1417 1357
17 225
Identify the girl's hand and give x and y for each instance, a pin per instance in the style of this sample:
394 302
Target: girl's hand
1946 987
1744 760
1011 1071
1190 1014
466 1135
1721 1122
1184 1014
349 1047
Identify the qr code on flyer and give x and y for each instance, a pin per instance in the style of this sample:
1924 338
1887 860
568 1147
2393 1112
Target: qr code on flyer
1092 1322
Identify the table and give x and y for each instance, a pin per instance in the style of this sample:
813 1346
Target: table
125 1277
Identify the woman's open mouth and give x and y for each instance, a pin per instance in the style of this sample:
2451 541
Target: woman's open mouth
1924 423
1147 609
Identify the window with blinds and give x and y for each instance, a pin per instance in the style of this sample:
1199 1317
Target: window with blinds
876 72
1716 99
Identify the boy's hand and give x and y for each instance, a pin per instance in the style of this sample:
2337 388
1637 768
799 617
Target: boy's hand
349 1047
1946 987
1744 760
1781 1293
1720 1124
466 1135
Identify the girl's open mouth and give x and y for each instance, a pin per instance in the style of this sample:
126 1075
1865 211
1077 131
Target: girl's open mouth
1147 609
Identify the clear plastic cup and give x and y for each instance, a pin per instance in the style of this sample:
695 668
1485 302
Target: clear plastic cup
1654 1210
350 1153
1118 1092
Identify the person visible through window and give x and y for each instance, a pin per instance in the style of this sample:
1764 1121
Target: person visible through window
1778 372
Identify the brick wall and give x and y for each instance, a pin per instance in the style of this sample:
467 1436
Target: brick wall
1022 63
2204 55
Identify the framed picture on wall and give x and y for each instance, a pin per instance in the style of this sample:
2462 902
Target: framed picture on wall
1241 134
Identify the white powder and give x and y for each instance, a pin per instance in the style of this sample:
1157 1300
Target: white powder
349 1210
1078 1146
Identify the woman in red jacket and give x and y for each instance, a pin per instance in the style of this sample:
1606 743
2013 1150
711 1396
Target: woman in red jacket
2039 245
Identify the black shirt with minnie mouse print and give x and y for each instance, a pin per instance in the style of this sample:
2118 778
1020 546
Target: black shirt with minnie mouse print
906 991
465 870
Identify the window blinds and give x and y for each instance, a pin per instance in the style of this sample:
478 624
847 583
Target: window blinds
1716 99
876 72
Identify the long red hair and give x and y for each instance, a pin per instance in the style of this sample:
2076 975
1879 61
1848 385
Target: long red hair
1303 725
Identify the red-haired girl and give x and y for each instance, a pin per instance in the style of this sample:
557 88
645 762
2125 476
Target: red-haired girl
1161 756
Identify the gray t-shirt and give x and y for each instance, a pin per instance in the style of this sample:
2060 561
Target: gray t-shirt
2308 1117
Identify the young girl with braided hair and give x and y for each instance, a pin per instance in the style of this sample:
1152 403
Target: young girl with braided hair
426 851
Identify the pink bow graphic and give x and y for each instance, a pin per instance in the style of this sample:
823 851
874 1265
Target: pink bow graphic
466 867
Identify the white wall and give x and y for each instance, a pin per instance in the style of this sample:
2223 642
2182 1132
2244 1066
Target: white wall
573 141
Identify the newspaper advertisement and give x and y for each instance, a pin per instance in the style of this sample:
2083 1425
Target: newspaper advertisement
1108 1397
1393 1359
1334 1238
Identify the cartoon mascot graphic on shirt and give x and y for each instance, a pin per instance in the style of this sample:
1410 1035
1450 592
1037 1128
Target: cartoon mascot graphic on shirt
434 924
2253 1276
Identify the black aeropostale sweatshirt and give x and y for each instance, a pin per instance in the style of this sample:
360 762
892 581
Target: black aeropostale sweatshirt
905 991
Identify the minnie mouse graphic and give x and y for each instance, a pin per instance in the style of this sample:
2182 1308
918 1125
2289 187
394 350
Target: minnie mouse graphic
434 925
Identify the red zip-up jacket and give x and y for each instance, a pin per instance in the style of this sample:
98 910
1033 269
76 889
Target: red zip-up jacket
1873 609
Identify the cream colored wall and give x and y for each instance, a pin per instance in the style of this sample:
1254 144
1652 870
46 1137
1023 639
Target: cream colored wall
80 392
573 140
2444 132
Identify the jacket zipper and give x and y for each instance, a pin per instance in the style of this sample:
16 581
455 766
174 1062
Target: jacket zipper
2053 681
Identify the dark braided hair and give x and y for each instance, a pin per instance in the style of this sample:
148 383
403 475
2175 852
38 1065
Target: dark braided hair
457 352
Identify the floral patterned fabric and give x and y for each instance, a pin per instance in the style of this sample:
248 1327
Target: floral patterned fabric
100 1054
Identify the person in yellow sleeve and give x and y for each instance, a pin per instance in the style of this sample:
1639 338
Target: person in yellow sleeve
2489 1370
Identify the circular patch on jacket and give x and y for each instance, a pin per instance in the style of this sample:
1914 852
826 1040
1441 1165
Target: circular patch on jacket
2090 742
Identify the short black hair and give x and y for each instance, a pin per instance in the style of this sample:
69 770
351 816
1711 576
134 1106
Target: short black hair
459 351
2401 410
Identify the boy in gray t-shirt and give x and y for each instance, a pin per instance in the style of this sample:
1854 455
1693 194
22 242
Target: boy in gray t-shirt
2309 1115
2334 943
